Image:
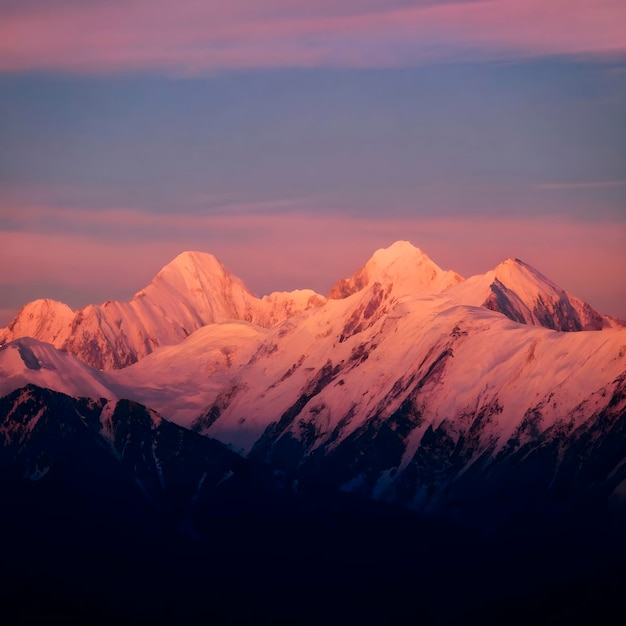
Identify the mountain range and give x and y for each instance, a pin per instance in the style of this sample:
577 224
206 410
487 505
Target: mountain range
476 402
192 291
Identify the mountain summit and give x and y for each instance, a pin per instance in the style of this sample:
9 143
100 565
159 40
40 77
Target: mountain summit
525 295
543 302
403 267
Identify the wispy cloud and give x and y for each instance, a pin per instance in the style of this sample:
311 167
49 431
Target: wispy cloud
592 184
193 37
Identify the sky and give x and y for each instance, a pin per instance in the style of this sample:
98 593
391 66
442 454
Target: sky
292 139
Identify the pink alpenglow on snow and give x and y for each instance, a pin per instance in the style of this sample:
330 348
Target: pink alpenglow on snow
400 332
195 290
285 252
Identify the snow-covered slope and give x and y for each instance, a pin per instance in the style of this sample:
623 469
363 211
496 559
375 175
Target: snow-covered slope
400 396
178 381
359 357
183 378
28 361
193 290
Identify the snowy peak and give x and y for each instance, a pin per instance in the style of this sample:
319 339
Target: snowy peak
402 267
197 288
192 270
525 295
190 260
40 317
523 279
193 290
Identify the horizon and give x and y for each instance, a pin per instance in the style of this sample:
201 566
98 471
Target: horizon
327 283
292 141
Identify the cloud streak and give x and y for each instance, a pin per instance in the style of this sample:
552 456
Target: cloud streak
592 184
193 37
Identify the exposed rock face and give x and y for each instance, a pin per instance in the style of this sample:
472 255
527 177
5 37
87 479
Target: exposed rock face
119 450
347 286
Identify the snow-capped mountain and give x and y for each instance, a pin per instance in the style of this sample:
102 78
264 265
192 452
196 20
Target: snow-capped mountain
404 392
194 290
402 267
409 390
525 295
404 385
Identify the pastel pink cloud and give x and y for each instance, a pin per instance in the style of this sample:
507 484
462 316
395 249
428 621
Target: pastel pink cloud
191 37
